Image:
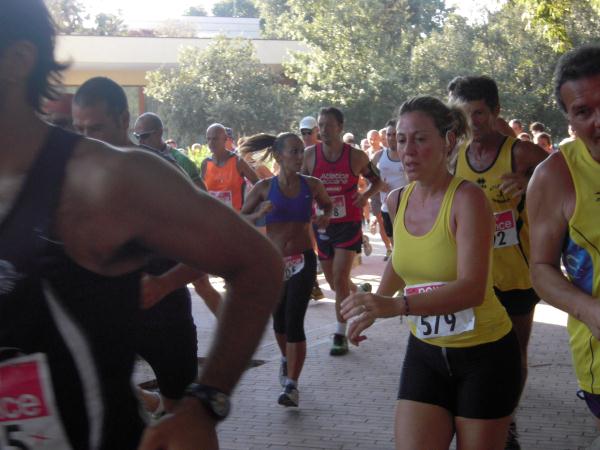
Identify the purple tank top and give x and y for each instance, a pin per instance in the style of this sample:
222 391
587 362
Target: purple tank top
285 209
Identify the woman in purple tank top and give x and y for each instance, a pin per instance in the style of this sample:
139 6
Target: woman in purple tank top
286 203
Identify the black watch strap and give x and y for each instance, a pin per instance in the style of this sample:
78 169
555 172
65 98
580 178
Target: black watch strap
215 401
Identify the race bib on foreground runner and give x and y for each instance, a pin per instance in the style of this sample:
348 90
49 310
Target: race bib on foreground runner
223 196
427 327
293 265
29 417
339 207
506 229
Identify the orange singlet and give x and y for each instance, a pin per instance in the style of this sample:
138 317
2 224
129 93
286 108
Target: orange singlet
225 183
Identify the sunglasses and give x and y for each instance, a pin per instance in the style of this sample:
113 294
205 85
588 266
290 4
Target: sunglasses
306 132
143 135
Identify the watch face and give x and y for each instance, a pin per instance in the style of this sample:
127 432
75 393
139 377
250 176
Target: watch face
220 404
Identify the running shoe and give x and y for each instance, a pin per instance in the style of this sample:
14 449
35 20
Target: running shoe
340 345
282 373
367 245
317 293
512 442
388 253
365 287
289 396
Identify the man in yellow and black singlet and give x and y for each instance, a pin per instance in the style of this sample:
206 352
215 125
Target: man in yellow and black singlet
564 208
501 165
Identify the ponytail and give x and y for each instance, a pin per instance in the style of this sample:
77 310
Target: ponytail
266 143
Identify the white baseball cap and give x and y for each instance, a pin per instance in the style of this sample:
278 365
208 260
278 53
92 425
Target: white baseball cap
308 123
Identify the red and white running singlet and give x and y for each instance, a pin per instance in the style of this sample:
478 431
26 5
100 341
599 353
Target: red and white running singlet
340 183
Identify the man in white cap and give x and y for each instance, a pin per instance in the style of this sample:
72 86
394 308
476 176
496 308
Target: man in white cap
309 130
310 136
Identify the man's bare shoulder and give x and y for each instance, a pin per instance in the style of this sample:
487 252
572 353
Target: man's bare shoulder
528 153
552 171
98 169
359 155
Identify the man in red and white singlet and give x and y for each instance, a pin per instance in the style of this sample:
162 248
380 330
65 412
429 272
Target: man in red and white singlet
338 166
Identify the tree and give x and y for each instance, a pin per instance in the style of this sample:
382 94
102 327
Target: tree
235 8
68 15
225 83
553 19
109 25
359 51
197 11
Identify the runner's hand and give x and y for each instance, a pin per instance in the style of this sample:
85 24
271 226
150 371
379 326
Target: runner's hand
513 184
367 307
265 207
189 428
152 291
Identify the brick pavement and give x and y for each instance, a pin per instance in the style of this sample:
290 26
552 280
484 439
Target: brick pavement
348 402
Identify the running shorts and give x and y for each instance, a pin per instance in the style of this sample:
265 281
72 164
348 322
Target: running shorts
344 235
518 302
480 382
387 224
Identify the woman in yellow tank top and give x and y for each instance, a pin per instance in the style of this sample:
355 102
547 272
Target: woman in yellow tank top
461 371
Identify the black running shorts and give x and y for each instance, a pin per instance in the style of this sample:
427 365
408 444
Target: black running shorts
344 235
518 302
480 382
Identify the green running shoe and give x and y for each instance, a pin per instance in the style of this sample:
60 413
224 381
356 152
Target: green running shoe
340 345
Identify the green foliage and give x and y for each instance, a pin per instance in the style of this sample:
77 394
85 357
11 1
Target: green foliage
109 25
235 8
197 153
225 83
197 11
68 15
356 50
559 21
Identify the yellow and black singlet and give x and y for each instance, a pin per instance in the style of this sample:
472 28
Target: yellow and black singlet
511 239
429 261
581 258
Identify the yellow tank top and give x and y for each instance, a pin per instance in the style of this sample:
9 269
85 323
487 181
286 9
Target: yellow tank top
431 259
581 257
511 239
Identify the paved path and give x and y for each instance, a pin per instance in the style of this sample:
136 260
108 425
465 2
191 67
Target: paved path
348 402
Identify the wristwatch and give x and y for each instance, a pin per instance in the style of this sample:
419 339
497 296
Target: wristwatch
216 402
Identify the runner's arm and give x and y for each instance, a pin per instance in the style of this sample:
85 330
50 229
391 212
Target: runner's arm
224 245
526 157
157 287
370 172
255 205
246 171
323 201
548 212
